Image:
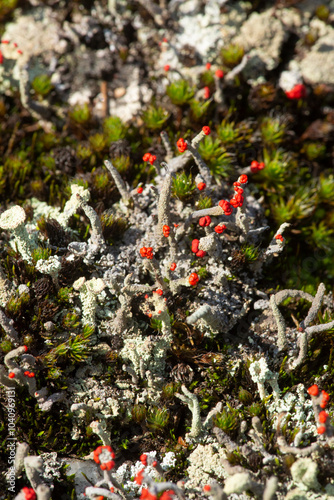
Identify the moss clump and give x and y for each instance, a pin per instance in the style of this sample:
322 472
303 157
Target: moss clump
183 187
232 54
227 420
80 114
180 92
155 118
42 85
114 129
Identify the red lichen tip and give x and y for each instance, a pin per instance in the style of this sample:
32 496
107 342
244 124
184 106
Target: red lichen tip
243 179
172 266
139 477
167 67
201 186
193 279
220 228
226 207
194 245
181 145
147 495
140 190
313 390
208 66
206 487
152 159
321 429
297 92
206 130
201 253
206 93
28 493
204 221
166 231
219 73
11 375
254 166
323 416
146 157
25 348
146 252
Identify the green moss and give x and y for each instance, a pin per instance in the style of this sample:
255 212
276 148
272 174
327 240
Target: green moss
314 150
228 133
114 129
215 155
42 85
322 12
6 346
204 202
6 7
98 143
157 419
183 187
232 55
272 130
199 110
227 420
299 205
180 92
122 163
155 118
17 304
80 114
113 227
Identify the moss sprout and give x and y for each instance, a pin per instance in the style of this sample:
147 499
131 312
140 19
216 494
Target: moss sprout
183 187
227 420
114 129
80 114
180 92
232 55
154 117
272 130
216 157
42 85
157 419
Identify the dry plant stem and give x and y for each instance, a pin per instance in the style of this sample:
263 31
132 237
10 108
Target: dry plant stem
153 267
275 300
22 450
5 380
193 405
33 467
167 145
158 14
202 166
286 449
314 309
105 101
235 71
270 488
8 328
120 184
93 492
43 492
97 235
6 290
164 205
242 222
213 211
